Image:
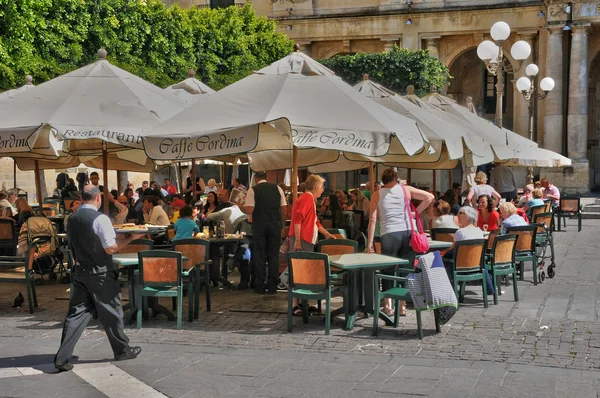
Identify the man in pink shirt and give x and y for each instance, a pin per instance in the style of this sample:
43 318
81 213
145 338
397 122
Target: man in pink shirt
550 192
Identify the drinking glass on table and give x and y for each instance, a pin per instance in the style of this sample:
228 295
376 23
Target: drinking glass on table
485 227
205 230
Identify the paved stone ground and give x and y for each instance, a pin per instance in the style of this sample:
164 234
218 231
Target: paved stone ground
547 344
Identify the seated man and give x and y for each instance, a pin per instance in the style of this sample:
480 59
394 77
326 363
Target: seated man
232 216
550 192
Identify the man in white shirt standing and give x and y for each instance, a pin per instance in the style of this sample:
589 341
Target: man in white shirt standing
503 180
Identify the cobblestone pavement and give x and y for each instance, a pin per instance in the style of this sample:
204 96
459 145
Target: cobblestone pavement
548 343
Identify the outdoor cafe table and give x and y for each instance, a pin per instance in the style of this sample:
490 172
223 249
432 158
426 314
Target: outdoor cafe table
131 262
368 264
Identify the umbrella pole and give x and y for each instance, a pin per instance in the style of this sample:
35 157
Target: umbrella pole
408 177
194 185
38 187
333 181
294 181
434 183
14 173
371 177
105 172
181 180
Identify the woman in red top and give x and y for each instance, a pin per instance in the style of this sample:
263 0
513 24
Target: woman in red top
305 224
487 215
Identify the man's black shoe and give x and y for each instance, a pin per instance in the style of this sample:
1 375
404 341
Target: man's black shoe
242 286
65 367
129 353
260 290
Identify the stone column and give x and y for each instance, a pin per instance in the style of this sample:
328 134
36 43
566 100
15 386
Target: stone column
521 106
432 44
305 47
389 42
578 93
553 104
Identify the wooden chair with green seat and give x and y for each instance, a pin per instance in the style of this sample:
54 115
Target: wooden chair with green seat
535 210
197 250
160 275
569 206
502 262
397 294
333 247
135 246
468 263
525 248
309 279
547 205
444 235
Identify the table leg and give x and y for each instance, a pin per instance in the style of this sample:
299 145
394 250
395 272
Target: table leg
224 271
368 295
352 307
131 315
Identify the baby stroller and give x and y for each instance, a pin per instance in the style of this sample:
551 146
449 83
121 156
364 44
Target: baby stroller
49 256
544 240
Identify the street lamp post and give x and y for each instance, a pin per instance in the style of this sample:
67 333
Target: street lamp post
526 85
491 52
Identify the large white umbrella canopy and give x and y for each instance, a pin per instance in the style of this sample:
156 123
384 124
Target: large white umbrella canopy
190 90
99 103
509 147
266 112
28 85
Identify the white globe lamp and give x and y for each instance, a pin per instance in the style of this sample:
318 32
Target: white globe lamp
487 50
500 31
547 84
520 50
531 70
523 84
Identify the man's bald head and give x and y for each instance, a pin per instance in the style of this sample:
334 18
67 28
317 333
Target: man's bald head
90 193
223 195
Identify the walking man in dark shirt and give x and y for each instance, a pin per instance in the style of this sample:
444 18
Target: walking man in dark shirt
266 203
92 240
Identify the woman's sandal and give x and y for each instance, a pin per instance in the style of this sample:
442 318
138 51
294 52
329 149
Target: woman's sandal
297 311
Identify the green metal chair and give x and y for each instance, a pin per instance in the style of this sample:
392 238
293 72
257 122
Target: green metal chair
338 233
535 210
397 294
502 262
468 264
160 275
525 248
333 247
569 206
135 246
309 279
197 250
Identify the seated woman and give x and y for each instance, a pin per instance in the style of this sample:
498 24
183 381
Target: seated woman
489 219
153 213
443 218
212 204
360 202
536 201
24 211
510 218
467 228
527 196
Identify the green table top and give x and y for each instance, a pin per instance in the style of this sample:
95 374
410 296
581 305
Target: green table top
438 244
365 260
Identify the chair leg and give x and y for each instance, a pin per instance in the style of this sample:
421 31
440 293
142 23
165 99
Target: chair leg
419 325
289 312
579 222
29 296
375 312
496 288
196 293
396 313
191 286
327 313
516 290
319 309
139 300
436 318
207 288
463 288
522 270
534 262
484 288
180 307
34 293
174 301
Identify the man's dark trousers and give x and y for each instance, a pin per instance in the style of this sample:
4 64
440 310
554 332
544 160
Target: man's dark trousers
266 240
93 291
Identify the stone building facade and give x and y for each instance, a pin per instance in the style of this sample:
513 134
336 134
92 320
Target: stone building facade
563 35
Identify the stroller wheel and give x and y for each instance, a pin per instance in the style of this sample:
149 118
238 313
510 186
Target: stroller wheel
551 271
39 282
541 276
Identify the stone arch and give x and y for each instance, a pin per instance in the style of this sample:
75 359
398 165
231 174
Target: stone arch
456 52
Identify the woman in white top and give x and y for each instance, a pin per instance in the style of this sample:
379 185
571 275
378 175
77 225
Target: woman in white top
211 186
153 213
482 188
389 208
443 217
467 222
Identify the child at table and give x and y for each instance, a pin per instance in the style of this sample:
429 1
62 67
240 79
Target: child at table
185 227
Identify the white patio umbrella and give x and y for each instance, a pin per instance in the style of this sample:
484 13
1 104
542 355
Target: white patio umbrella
28 85
94 110
190 90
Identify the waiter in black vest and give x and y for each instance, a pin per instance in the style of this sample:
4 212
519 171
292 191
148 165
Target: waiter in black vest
266 203
92 240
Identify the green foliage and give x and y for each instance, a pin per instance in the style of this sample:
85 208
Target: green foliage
46 38
395 70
